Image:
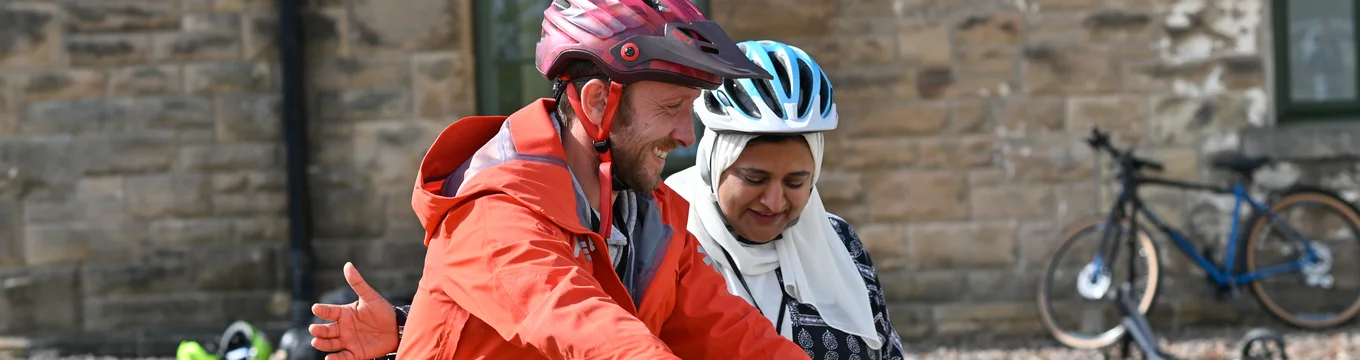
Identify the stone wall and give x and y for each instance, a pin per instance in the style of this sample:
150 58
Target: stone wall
141 162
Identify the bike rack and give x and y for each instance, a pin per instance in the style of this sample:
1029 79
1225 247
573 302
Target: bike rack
1140 332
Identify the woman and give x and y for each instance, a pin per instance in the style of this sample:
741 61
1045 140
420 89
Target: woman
756 212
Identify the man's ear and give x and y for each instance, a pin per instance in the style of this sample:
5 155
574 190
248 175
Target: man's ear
594 96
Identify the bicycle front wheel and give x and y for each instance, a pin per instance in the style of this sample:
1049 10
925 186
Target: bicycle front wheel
1083 315
1325 293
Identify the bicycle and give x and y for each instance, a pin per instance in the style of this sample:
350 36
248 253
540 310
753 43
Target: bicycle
1240 268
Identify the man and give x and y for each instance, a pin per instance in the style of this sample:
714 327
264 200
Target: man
521 265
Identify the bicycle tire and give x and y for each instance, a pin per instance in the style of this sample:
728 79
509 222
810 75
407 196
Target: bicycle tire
1108 337
1258 221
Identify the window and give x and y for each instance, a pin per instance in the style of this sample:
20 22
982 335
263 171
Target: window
506 34
1315 57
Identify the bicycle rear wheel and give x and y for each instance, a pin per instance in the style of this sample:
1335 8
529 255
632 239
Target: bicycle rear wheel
1324 294
1075 324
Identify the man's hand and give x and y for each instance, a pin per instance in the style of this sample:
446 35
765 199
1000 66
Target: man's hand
365 329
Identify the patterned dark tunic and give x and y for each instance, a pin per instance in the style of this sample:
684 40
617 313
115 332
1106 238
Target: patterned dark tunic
811 332
823 342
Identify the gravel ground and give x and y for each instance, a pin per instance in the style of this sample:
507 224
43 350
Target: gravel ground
1218 343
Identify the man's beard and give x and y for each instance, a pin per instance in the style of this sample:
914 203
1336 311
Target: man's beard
632 154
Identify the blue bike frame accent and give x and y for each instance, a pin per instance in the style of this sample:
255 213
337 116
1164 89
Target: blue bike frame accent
1225 276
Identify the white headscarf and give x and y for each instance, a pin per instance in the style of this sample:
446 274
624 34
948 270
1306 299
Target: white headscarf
817 269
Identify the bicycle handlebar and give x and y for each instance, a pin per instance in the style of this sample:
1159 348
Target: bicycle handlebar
1100 140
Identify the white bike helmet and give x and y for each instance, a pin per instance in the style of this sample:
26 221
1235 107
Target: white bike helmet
797 100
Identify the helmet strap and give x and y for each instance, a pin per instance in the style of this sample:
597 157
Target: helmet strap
600 136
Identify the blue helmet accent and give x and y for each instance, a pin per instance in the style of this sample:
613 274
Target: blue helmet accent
798 99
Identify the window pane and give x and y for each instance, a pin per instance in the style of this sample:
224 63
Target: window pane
1322 50
512 29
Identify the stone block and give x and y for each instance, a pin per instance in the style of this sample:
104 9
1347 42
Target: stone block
9 108
800 18
912 118
38 167
170 232
1004 285
1056 5
228 77
249 117
1023 115
186 269
871 85
40 299
231 6
59 211
1056 27
364 104
990 29
953 245
145 80
61 116
244 156
968 151
391 151
87 241
407 25
251 204
983 313
1012 202
1037 241
925 43
974 116
987 60
910 321
1122 25
1053 69
224 22
352 213
108 49
143 152
840 186
846 53
63 84
171 112
168 195
922 196
11 228
886 243
1181 120
867 153
106 314
444 85
923 286
197 46
1124 115
1047 159
30 36
365 73
262 229
249 181
121 15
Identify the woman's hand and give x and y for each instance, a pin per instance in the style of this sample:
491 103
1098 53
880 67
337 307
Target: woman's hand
364 329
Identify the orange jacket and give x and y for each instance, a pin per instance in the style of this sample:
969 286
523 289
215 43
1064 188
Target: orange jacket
512 272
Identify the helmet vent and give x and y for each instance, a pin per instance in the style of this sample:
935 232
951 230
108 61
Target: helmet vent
711 103
743 102
781 71
767 95
826 94
804 92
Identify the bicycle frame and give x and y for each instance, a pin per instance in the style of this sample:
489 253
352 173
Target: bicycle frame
1225 276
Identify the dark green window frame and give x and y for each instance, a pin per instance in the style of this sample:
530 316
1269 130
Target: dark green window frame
1290 110
500 21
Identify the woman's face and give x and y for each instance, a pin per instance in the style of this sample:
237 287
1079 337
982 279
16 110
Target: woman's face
767 187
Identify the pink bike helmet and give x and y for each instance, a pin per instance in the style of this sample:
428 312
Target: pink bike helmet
634 40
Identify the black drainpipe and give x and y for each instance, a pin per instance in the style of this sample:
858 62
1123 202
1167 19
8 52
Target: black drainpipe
295 148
